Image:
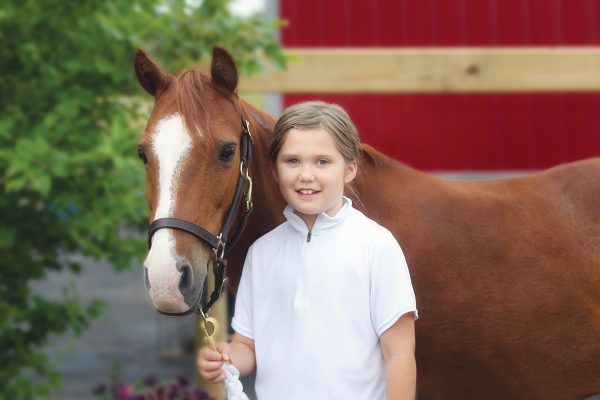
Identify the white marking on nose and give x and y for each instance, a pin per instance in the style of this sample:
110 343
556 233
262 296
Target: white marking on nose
171 145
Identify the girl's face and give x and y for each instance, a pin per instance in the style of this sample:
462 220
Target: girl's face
311 173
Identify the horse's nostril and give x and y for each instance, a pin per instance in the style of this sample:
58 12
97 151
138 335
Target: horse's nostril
146 280
185 282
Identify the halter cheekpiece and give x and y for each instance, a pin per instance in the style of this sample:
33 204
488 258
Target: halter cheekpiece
218 243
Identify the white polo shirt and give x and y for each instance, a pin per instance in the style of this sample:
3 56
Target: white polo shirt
315 306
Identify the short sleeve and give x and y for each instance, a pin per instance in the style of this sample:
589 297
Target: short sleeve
391 293
242 321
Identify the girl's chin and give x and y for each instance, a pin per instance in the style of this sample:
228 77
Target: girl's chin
308 212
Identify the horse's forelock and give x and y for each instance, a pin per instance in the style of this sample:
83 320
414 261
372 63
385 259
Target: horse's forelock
191 102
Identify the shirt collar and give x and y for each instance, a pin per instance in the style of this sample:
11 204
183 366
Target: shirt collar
323 222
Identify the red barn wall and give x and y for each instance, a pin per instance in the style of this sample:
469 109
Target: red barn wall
459 131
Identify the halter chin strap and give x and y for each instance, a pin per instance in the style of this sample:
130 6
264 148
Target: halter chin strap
218 243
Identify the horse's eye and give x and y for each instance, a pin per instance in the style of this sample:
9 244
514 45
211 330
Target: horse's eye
227 152
142 154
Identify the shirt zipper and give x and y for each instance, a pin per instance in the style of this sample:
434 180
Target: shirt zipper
308 236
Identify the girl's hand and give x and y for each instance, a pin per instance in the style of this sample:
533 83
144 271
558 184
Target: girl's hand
210 362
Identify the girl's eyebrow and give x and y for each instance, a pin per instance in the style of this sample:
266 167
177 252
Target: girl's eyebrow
286 155
323 155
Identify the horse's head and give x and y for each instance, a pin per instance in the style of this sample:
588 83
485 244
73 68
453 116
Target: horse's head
191 151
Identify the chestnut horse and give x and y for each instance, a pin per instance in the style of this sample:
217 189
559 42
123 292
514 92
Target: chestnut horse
506 272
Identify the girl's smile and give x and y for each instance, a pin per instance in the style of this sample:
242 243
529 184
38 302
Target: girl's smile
307 193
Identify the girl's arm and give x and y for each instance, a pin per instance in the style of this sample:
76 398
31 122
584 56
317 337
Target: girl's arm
398 346
241 353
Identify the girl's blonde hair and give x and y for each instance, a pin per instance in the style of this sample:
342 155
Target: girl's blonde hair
314 115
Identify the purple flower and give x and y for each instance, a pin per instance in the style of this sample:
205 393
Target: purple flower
122 392
172 392
201 395
99 389
179 388
150 380
183 381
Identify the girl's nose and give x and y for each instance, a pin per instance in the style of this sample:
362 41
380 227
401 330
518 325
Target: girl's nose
307 175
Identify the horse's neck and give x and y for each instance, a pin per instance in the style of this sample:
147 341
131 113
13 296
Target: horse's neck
269 203
385 185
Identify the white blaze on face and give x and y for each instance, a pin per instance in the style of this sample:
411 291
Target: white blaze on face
171 145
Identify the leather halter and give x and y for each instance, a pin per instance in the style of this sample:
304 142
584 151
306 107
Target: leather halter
218 243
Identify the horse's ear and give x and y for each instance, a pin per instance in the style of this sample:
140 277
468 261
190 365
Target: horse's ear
223 70
149 75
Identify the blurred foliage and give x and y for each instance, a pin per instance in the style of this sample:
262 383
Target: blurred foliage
70 116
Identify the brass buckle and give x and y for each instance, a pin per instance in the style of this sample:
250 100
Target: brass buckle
209 323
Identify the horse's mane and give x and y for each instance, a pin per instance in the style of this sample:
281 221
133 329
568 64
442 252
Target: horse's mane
192 93
376 158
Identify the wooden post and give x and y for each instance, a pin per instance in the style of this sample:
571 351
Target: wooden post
432 70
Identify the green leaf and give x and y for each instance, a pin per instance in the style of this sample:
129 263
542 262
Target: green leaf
42 184
7 238
70 116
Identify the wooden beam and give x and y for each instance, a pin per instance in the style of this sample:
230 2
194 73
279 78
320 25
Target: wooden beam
433 70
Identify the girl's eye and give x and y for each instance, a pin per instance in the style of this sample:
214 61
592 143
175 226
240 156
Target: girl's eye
322 162
142 154
227 152
292 161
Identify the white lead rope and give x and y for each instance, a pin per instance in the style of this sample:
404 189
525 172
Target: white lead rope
233 386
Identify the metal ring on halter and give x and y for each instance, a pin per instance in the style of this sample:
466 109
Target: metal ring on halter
220 248
243 169
249 204
202 313
245 174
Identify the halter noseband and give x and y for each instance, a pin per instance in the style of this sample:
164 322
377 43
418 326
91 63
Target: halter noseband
218 243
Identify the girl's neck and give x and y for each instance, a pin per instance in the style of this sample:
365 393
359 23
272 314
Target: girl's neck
310 219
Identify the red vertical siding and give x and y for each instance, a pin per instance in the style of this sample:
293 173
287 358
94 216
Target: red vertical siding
459 131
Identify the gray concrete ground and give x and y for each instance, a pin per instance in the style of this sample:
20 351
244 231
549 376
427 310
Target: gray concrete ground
129 337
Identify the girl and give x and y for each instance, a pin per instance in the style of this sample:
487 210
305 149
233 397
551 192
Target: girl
325 307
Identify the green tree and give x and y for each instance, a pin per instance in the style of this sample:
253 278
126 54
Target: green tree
70 180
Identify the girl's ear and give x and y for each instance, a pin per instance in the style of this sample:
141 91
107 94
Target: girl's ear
351 170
